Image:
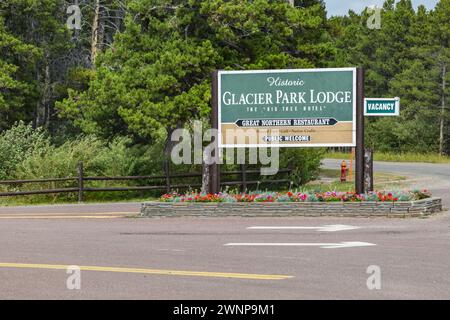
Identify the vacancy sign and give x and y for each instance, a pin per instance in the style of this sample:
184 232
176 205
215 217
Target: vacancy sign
381 107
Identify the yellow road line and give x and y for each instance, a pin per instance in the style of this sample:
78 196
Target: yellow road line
67 213
151 271
60 217
74 215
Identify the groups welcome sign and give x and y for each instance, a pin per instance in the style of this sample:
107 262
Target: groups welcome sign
287 108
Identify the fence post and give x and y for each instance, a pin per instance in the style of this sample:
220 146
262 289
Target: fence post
244 177
80 182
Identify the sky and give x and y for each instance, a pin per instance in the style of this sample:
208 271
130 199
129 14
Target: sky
341 7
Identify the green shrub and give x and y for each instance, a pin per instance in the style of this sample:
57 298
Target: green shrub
305 163
17 144
99 159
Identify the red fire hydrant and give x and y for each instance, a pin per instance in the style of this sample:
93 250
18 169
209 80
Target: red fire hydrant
343 171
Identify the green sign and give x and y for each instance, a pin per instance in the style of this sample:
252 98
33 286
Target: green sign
381 107
287 108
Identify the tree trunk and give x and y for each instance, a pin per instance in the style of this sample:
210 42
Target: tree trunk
97 33
42 115
442 115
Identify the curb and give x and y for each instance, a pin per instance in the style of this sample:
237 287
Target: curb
404 209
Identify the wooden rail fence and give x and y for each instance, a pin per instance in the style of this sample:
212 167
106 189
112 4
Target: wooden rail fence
80 180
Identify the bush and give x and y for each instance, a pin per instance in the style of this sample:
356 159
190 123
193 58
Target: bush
304 162
17 144
34 157
99 159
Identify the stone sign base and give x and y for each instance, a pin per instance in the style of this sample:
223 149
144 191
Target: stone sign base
287 209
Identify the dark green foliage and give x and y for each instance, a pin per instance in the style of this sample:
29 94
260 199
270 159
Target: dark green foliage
405 58
305 163
157 76
17 144
152 73
15 85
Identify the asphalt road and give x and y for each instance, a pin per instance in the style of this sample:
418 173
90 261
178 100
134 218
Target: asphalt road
64 211
123 257
413 256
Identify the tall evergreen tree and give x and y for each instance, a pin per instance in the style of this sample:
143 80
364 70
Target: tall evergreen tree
40 23
441 37
406 57
157 75
16 58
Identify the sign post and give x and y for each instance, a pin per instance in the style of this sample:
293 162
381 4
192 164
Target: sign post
359 153
214 169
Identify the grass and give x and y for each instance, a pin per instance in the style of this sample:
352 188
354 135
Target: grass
330 181
34 200
396 157
380 176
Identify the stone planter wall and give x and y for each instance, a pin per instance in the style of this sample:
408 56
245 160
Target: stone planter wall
280 209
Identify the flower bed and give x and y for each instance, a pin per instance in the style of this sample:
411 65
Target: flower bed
398 204
268 197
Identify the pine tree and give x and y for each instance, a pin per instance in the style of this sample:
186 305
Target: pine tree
156 77
15 58
441 37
